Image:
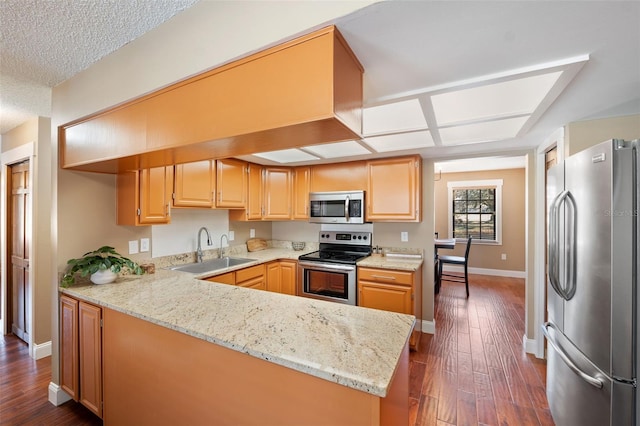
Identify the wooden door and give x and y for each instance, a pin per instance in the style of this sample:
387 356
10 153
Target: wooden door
19 216
388 297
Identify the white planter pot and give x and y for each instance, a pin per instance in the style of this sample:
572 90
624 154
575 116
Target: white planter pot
103 277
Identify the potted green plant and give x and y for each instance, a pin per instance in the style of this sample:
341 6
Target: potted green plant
103 265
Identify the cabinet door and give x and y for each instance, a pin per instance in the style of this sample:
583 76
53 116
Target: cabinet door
90 341
274 282
393 192
195 184
69 364
254 193
276 184
288 276
156 185
231 183
300 195
387 297
339 177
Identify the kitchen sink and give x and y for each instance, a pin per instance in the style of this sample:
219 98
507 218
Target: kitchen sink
211 265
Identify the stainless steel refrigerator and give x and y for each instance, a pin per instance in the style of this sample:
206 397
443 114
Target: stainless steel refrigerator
592 286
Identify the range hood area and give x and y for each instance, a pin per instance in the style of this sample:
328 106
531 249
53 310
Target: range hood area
303 92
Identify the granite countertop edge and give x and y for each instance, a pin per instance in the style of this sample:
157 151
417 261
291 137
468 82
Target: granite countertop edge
352 346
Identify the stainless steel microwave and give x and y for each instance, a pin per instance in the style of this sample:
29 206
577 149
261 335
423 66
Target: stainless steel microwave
336 207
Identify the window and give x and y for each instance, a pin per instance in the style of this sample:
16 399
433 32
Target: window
475 209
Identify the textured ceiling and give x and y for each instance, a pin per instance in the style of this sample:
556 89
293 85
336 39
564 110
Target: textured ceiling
45 42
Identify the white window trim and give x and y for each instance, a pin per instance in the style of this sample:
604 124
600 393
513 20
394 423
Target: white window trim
497 183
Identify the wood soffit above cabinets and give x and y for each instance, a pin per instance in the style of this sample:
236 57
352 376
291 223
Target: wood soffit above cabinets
306 91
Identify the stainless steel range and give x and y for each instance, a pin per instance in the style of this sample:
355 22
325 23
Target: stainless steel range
330 273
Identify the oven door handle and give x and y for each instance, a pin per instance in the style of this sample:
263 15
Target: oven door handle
326 266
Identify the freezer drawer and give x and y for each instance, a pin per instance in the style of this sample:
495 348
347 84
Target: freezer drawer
573 400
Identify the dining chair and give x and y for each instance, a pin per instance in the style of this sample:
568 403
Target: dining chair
455 260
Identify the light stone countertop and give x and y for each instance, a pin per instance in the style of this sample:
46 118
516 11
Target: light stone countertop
352 346
388 262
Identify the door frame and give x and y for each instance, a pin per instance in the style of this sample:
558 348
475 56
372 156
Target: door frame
556 139
13 156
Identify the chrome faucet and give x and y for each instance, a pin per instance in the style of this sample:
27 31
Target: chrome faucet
199 250
221 249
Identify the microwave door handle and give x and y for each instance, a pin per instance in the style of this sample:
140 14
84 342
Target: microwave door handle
346 209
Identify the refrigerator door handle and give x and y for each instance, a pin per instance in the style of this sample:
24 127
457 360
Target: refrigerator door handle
593 381
571 246
554 231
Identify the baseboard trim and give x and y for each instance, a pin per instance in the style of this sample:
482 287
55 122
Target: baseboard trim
429 327
483 271
42 350
529 345
56 395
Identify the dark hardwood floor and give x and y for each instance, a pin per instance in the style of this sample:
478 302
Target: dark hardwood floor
24 385
473 371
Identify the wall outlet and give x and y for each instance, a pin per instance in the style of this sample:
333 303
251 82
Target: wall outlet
504 256
252 233
404 236
144 245
232 235
133 247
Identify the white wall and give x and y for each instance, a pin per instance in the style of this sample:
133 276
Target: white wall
181 235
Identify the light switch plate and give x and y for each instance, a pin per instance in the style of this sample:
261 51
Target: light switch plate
404 236
133 247
144 245
252 233
232 235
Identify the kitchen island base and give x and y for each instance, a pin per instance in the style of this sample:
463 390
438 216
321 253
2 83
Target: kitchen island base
155 375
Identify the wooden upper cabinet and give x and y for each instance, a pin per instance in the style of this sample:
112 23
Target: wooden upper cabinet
231 183
393 190
254 193
276 194
144 196
339 177
300 193
195 184
302 92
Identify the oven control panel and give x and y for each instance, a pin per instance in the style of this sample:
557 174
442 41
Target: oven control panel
346 237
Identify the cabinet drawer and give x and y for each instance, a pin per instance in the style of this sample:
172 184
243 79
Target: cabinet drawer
228 278
248 273
385 276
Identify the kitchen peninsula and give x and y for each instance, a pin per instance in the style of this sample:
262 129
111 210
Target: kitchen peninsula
177 349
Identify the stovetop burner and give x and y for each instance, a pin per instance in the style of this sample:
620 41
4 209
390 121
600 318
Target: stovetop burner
341 247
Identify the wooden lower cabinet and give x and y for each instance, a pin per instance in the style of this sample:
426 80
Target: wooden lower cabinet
154 375
251 277
81 352
281 276
392 290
